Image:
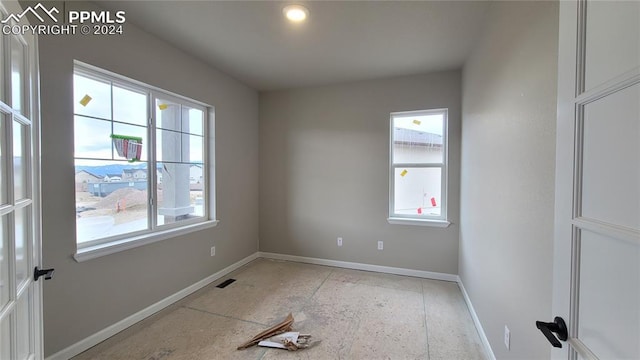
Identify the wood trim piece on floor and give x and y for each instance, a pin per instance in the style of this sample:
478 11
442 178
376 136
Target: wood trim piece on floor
110 331
360 266
476 321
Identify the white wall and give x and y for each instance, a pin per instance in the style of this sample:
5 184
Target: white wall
507 186
87 297
324 172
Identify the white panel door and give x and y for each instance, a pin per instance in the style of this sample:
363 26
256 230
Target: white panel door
597 234
20 294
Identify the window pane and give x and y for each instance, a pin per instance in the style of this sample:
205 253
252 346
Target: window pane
192 120
4 263
22 234
111 198
179 198
418 139
5 338
3 160
17 74
91 97
417 191
132 130
2 80
91 138
23 326
168 115
168 146
129 106
20 153
192 149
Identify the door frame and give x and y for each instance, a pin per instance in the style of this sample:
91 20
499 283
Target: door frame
32 92
572 97
565 154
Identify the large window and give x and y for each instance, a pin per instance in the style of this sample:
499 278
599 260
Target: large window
418 170
141 160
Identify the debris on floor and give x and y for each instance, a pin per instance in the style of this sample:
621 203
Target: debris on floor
291 341
280 336
272 331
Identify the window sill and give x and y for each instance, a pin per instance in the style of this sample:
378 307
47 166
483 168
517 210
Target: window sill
113 247
419 222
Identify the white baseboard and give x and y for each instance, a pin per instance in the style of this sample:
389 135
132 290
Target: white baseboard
106 333
483 337
360 266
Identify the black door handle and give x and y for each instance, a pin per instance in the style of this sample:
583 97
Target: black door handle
47 273
558 326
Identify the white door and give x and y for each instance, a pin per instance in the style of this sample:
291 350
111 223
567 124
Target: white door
20 295
597 236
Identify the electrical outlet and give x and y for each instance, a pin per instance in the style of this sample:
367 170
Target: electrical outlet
380 245
213 251
507 337
339 241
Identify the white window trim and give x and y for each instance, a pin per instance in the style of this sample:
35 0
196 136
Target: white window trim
419 222
132 242
154 233
404 219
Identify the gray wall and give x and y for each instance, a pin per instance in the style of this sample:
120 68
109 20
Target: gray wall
87 297
507 187
324 172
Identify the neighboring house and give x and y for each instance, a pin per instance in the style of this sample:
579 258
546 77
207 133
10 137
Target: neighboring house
134 174
112 178
84 177
195 174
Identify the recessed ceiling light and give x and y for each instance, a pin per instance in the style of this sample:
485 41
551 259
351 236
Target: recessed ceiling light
296 13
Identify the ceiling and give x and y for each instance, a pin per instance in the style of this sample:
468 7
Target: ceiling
341 41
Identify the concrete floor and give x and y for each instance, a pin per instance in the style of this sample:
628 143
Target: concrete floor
355 315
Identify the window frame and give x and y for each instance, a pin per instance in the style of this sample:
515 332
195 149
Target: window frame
423 220
154 232
155 95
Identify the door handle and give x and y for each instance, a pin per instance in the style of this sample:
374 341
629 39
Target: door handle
558 326
47 273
